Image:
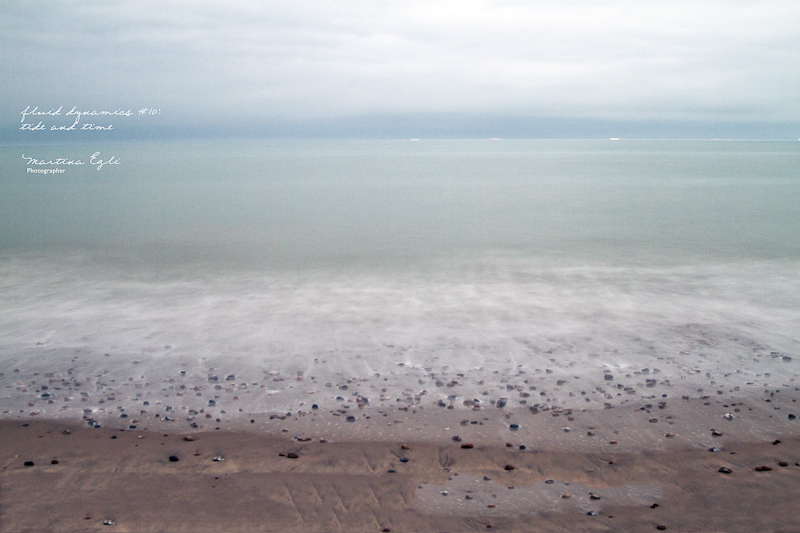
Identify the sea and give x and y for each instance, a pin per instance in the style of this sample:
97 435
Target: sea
268 276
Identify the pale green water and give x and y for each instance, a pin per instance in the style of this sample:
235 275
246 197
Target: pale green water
306 203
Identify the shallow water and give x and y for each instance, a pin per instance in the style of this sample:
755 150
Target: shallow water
421 271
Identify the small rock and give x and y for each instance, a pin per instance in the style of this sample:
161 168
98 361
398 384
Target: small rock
763 468
467 446
292 455
108 522
513 427
661 528
173 459
218 459
725 470
715 449
549 481
727 416
783 463
510 467
592 513
776 442
28 463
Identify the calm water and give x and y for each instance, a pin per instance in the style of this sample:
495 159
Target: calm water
349 258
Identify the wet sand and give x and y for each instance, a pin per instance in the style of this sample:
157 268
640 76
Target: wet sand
637 467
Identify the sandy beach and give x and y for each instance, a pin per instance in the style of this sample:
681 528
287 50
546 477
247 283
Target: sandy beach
702 464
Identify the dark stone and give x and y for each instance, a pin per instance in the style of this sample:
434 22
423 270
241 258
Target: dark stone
351 419
28 463
292 455
54 462
792 417
763 468
783 463
404 459
608 377
661 528
654 506
776 442
549 481
467 446
513 427
725 470
510 467
173 459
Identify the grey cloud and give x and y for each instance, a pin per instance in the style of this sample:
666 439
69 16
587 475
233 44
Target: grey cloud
284 61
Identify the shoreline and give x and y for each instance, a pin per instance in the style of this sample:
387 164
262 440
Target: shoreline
413 471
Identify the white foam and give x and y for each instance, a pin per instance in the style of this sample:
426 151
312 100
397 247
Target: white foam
497 329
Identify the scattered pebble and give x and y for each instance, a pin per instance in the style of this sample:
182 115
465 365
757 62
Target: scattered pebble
173 459
292 455
763 468
725 470
510 467
28 463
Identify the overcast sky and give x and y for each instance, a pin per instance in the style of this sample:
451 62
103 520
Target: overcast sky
455 68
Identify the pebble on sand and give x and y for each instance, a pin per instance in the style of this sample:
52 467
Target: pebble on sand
173 459
725 470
